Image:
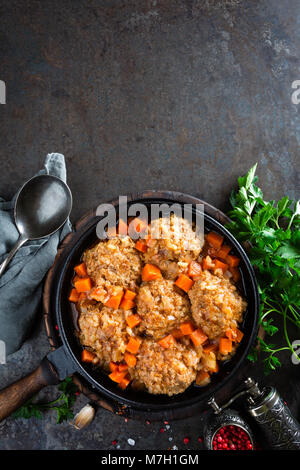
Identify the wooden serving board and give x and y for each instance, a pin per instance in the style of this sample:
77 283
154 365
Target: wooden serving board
53 334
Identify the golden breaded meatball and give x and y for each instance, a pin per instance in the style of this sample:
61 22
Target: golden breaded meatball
162 307
175 248
216 304
104 330
114 262
165 371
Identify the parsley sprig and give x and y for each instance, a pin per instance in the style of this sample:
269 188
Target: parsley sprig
271 233
62 405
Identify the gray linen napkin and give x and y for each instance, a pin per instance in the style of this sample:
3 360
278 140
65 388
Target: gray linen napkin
21 284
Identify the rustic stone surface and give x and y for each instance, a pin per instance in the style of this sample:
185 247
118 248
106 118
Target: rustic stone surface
170 95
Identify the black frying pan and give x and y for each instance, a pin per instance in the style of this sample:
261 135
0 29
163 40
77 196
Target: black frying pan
65 360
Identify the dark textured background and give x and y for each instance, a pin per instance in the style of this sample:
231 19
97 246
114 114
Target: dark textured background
177 95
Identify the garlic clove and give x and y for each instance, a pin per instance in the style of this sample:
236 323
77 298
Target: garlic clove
84 417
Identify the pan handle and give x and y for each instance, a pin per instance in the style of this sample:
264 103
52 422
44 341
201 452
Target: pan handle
18 393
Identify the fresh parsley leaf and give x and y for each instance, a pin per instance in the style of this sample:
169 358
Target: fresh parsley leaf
62 405
272 231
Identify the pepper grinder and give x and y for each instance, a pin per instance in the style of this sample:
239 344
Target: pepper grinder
276 422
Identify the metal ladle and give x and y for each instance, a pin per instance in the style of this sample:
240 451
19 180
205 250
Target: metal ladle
42 206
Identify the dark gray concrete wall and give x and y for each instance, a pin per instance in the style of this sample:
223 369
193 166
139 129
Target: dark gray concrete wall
178 95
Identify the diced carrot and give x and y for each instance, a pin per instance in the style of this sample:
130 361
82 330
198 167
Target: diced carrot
167 342
194 269
127 304
74 296
225 346
129 295
83 285
186 328
236 275
133 320
124 383
75 278
117 376
130 359
80 270
133 345
114 300
214 239
122 227
210 347
198 337
184 282
237 335
113 366
122 367
151 273
87 356
177 333
233 261
202 378
224 251
141 246
220 265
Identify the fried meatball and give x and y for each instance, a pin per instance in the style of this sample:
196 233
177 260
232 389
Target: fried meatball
162 307
216 304
104 330
172 246
165 371
114 262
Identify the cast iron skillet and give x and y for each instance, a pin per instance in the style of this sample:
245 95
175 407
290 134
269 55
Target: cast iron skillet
65 360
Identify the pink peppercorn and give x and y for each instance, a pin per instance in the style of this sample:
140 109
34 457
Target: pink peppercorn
186 440
231 438
114 442
162 430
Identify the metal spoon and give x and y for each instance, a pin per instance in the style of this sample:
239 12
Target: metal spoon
42 206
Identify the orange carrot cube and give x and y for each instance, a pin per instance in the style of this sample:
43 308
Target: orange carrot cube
187 328
130 359
87 356
225 346
81 270
141 246
167 342
214 239
184 282
198 337
233 261
74 296
151 273
83 285
133 345
133 320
